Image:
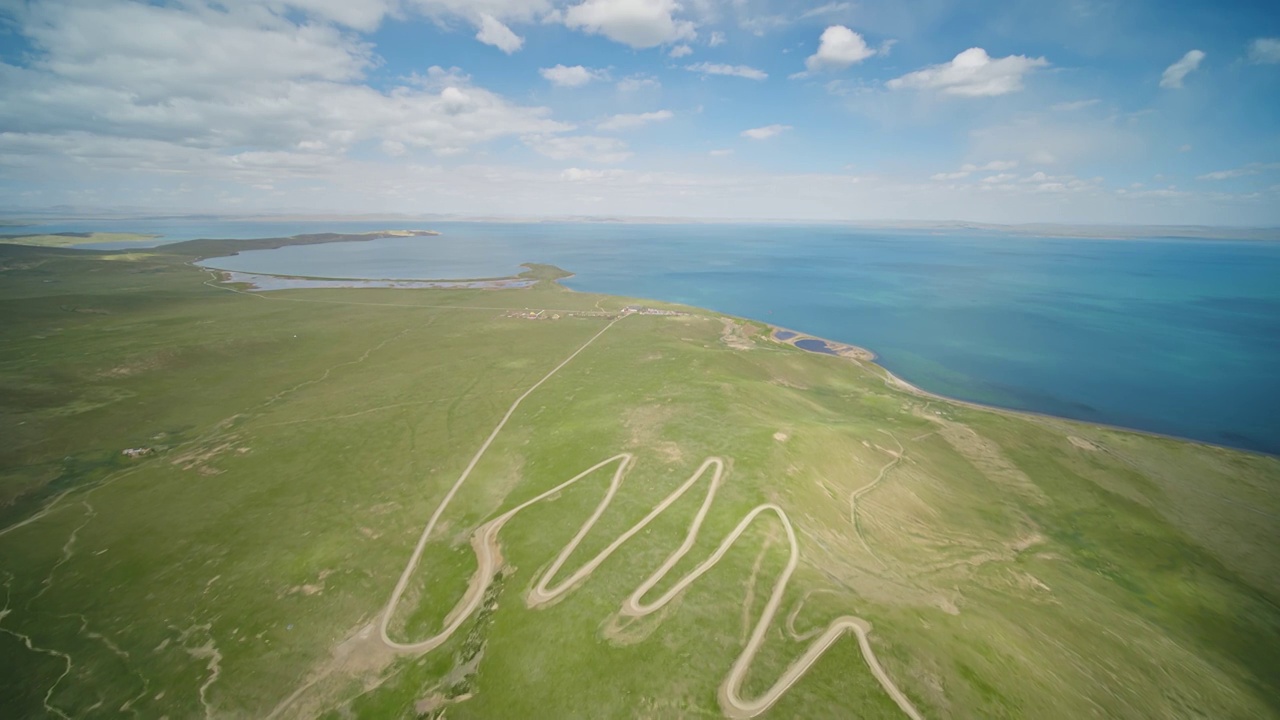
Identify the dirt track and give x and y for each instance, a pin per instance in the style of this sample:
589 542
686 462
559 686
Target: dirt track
488 555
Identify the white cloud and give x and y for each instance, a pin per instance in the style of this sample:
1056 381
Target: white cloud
1250 169
766 132
367 15
721 153
1002 177
629 121
972 73
829 9
638 23
636 83
364 16
591 148
586 175
1055 139
838 48
680 51
571 76
1173 75
969 168
493 32
998 165
183 88
1074 105
758 25
742 71
1265 51
717 39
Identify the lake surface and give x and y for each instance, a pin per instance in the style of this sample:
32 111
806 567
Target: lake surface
1172 336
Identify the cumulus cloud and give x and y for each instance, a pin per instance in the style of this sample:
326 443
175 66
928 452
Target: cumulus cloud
629 121
680 51
493 32
231 90
972 73
742 71
838 48
638 23
571 76
766 132
1265 51
365 16
717 39
1174 74
592 148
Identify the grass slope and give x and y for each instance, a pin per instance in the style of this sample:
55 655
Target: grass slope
1011 566
74 238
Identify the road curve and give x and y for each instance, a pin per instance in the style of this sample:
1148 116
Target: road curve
416 557
484 542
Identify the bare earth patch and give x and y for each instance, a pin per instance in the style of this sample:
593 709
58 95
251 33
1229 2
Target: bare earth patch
1083 444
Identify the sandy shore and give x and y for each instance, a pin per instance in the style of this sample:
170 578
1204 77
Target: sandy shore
861 355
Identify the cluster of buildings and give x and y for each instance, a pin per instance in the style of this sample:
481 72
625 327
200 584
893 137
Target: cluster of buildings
531 314
528 314
642 310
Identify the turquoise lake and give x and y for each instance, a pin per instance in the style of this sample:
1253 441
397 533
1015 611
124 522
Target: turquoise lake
1172 336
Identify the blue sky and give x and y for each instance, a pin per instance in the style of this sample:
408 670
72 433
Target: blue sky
1093 111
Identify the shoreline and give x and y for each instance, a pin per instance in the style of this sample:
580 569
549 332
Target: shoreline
269 282
871 357
842 350
861 355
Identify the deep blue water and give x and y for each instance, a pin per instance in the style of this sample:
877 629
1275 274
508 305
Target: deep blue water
1172 336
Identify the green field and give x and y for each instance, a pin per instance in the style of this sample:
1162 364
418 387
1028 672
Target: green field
69 239
296 443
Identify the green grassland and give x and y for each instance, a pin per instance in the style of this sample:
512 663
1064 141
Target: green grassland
1011 566
73 238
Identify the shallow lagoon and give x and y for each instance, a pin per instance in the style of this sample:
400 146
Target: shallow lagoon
1173 336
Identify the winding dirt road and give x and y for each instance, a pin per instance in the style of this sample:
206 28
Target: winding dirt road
546 590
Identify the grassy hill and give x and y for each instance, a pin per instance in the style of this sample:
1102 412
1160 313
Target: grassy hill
295 443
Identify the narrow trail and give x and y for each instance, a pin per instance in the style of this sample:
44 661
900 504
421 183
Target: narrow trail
414 559
48 695
853 498
48 508
547 589
26 642
68 550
